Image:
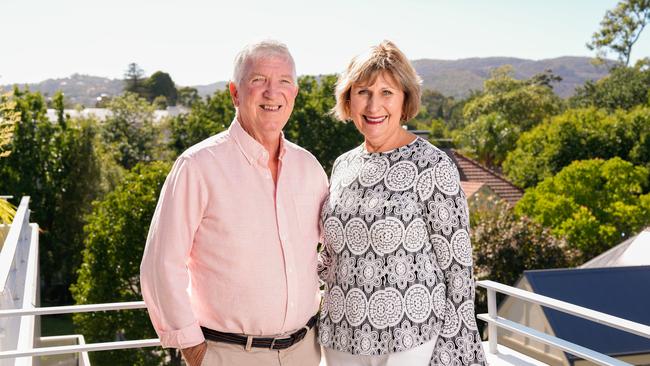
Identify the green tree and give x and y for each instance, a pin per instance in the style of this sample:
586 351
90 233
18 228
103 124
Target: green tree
523 103
621 28
161 84
188 96
594 204
115 237
435 105
134 80
8 120
130 131
506 245
488 139
313 127
206 118
57 165
624 87
579 134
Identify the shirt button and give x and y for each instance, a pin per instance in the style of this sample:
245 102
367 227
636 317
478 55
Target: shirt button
291 304
290 270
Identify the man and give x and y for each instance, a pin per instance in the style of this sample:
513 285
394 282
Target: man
231 252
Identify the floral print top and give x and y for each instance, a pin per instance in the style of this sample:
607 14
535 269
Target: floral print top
397 257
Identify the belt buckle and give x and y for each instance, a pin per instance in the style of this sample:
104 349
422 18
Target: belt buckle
275 339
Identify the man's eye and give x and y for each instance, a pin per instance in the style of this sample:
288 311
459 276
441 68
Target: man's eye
286 81
257 79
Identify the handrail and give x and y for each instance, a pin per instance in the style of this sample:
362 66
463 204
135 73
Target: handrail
69 309
495 321
88 347
576 310
575 349
11 241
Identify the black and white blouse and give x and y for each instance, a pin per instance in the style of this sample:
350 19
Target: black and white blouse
397 259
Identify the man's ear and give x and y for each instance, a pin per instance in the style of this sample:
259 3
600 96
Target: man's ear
234 94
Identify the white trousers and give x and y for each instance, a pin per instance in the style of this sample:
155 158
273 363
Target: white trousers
418 356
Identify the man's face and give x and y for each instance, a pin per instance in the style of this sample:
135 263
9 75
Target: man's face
265 95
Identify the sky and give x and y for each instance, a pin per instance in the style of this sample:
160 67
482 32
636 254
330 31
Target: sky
195 41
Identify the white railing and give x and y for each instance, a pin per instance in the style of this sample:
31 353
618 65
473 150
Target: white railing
81 347
495 322
18 283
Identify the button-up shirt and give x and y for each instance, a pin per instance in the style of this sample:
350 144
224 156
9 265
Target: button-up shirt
228 248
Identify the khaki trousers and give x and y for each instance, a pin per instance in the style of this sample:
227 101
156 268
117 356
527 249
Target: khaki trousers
304 353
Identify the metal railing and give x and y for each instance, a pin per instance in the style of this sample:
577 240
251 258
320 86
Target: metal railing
494 322
19 283
81 347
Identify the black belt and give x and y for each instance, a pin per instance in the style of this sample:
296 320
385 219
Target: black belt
260 342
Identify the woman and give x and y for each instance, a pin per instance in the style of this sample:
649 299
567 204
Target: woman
397 262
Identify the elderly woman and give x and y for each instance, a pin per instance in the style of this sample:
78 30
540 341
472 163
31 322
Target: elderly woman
397 260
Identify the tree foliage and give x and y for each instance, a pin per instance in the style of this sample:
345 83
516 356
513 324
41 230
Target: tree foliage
161 84
188 96
313 127
9 117
523 103
621 28
579 134
58 166
134 80
594 204
488 139
507 106
505 245
623 88
115 237
206 118
130 132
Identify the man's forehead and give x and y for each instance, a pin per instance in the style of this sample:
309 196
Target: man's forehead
256 65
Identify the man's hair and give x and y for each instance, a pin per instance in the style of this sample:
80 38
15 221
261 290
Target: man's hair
259 50
364 69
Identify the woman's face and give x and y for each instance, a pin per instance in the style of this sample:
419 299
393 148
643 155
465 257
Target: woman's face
377 109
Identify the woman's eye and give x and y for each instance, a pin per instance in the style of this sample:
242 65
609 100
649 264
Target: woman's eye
387 92
362 91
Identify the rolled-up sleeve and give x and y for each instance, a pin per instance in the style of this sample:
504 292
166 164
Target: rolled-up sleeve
164 276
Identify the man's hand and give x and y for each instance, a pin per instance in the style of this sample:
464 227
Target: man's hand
194 355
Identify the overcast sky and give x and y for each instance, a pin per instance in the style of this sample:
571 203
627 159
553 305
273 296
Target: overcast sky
196 40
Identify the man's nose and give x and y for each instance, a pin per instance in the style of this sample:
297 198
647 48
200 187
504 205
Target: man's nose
271 89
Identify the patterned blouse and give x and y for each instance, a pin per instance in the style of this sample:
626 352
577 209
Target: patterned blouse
397 262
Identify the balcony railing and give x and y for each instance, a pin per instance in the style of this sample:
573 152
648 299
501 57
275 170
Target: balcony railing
495 322
19 332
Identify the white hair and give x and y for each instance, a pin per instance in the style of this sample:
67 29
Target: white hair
263 49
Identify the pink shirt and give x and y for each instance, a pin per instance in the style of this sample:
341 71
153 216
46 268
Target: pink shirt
226 249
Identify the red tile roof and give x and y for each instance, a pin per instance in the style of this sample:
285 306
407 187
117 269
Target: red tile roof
471 171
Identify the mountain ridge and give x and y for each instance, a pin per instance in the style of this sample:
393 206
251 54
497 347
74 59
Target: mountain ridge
455 78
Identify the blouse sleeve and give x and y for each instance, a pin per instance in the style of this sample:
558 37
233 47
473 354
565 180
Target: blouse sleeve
459 342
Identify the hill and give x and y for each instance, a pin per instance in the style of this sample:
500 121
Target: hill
450 77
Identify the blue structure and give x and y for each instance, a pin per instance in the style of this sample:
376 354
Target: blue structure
620 291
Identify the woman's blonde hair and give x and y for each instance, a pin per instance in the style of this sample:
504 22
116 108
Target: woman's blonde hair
385 57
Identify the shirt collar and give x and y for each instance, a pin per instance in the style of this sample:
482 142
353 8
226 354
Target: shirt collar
251 148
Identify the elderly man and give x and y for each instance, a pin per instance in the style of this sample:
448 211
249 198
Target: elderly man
229 269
